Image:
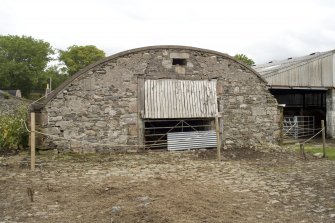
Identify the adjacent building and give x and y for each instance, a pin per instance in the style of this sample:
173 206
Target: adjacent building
305 85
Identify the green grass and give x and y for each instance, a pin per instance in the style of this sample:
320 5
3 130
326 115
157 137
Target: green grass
330 151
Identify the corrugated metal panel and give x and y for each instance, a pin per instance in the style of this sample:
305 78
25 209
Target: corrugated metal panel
180 98
310 71
191 140
327 71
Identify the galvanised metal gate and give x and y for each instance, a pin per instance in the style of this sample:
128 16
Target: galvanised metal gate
179 134
299 126
178 113
191 140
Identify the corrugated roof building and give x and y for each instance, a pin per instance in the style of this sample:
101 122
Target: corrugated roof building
305 84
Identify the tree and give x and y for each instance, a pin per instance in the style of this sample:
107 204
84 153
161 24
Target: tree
56 78
22 60
78 57
244 59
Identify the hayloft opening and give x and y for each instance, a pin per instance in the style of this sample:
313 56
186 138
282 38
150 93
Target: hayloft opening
156 131
178 61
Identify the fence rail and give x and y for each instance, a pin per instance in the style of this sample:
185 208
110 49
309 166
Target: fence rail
299 126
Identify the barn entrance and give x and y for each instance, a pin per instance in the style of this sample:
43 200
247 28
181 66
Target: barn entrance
179 114
303 107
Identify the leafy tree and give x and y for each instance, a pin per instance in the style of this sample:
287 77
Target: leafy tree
56 76
22 60
244 59
78 57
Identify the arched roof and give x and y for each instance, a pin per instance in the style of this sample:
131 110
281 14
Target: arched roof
137 50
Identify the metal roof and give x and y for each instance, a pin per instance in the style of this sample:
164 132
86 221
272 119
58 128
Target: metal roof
313 70
289 63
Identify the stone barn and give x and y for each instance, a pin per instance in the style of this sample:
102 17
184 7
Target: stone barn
161 97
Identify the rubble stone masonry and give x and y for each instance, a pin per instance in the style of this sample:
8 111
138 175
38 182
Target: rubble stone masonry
101 104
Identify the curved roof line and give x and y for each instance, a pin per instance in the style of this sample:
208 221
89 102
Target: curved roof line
136 50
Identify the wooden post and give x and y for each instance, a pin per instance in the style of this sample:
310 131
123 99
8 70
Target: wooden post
32 141
303 150
218 147
140 113
323 138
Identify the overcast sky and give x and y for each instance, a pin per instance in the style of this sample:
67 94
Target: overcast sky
264 30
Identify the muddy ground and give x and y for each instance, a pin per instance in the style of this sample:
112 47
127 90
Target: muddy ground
246 186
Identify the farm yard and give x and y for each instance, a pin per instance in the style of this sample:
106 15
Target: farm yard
247 186
241 131
164 99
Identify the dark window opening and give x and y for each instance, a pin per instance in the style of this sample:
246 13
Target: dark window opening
181 62
300 98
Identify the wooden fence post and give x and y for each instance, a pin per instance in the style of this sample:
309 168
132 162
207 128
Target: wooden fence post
218 146
323 138
32 141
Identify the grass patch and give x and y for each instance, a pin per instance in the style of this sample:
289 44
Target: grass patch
330 151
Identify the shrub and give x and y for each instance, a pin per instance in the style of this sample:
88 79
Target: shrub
12 134
6 95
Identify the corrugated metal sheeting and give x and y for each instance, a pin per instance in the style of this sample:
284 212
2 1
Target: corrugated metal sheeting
191 140
315 70
180 98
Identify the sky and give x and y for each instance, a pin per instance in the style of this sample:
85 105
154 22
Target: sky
264 30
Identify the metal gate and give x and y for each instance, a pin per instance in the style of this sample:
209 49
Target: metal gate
191 140
299 126
179 134
178 113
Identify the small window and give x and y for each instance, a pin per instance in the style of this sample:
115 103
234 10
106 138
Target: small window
177 61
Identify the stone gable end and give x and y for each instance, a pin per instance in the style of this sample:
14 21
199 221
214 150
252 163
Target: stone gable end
102 104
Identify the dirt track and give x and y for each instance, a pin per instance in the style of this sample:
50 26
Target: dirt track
167 187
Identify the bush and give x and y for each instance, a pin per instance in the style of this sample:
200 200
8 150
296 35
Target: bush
6 95
12 134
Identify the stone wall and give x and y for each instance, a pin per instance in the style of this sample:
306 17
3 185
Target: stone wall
250 114
101 106
8 103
